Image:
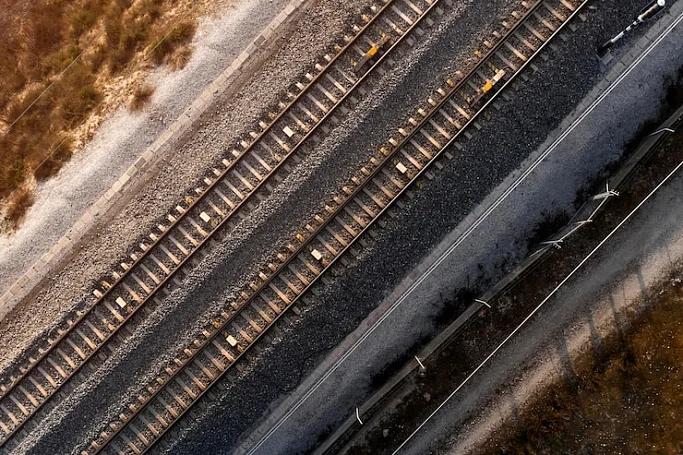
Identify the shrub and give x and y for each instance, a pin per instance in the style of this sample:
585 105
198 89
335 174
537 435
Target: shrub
141 96
174 40
17 206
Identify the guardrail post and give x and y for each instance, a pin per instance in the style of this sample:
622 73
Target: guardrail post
668 130
423 369
605 194
555 243
483 303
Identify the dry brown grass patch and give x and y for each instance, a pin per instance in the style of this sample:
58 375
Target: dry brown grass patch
141 96
172 47
17 205
40 39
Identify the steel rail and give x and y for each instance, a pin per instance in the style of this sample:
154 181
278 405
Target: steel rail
370 71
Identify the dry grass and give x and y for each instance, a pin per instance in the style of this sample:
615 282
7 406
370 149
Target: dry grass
628 397
141 96
17 205
40 39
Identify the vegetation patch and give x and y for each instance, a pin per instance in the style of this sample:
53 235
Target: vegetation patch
626 401
63 61
141 96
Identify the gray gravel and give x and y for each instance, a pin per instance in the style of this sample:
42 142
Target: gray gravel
119 141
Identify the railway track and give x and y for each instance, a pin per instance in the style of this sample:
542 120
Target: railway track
250 173
334 232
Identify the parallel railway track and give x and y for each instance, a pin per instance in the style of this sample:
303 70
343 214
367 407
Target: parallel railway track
331 234
252 172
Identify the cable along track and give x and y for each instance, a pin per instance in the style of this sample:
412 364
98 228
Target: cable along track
358 206
248 176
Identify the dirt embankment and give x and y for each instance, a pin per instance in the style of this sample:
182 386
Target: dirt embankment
625 398
625 394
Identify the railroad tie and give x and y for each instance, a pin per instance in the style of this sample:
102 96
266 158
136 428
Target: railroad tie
223 351
9 414
261 161
130 444
86 339
545 23
38 387
261 313
57 368
139 434
47 376
28 395
19 405
327 246
431 139
535 32
168 407
178 245
251 322
141 283
66 358
270 303
76 349
235 191
194 379
412 160
149 426
224 198
559 16
400 14
213 360
187 235
159 418
4 427
242 179
352 232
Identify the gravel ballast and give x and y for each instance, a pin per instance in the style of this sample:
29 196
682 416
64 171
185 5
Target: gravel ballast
214 136
515 132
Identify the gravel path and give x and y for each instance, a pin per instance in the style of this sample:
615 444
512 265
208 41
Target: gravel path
214 136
